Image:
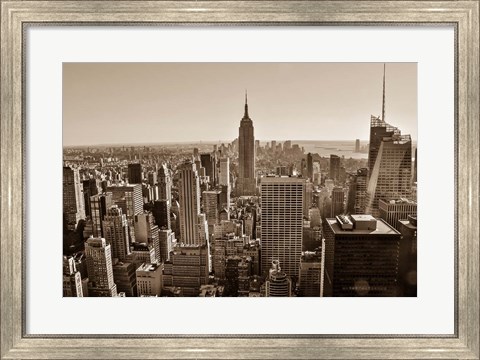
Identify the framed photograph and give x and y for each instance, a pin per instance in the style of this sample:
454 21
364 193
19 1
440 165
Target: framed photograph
262 153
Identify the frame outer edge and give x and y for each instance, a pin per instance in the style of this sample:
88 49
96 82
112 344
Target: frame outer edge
11 203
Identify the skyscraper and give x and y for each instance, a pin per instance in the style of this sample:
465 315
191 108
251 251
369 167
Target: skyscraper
208 162
392 174
115 230
99 204
73 201
135 175
310 166
189 198
129 199
334 167
99 268
246 184
389 162
164 181
338 198
224 172
212 205
282 222
361 256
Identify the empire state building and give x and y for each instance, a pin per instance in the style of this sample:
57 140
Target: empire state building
246 184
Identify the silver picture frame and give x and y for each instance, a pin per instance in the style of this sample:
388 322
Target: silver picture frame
16 16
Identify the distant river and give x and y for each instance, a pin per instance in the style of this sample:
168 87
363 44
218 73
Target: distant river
340 148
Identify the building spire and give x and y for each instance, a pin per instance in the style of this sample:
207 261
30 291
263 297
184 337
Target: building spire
245 116
383 100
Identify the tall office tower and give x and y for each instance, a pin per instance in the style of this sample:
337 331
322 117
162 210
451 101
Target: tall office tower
278 284
397 209
224 173
361 256
135 174
408 256
282 222
196 153
357 145
307 197
246 183
164 181
129 199
146 231
90 188
149 279
161 213
392 173
189 197
338 198
167 241
311 274
99 204
209 163
152 178
188 268
310 166
115 230
72 280
360 191
73 201
389 162
212 206
99 267
125 279
335 168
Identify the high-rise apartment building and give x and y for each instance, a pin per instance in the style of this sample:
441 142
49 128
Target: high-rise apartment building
99 268
189 198
282 222
73 201
246 183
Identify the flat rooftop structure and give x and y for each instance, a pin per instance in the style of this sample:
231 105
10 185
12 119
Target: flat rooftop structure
398 201
147 267
383 228
281 179
408 224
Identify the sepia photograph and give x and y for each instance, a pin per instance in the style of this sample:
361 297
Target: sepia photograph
239 179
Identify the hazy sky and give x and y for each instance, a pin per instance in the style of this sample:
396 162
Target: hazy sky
125 103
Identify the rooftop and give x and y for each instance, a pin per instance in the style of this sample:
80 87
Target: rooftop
383 228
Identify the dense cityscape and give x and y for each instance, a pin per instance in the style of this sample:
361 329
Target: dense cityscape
245 218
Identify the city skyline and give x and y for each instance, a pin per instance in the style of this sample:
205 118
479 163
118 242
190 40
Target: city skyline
332 101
